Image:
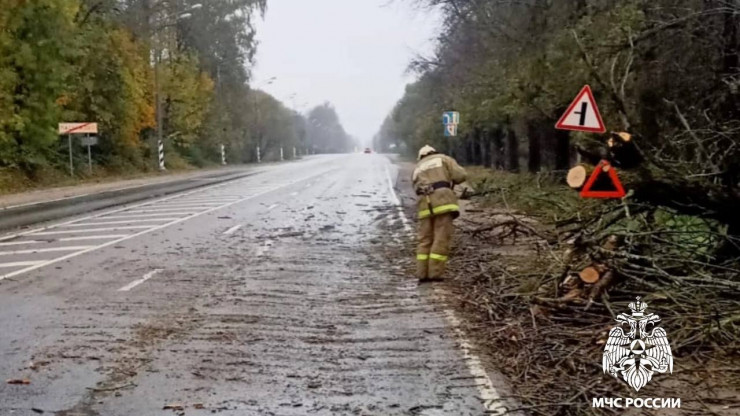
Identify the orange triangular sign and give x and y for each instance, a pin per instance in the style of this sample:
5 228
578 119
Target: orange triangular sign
599 186
582 114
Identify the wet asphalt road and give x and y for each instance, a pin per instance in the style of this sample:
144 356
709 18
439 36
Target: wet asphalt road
278 294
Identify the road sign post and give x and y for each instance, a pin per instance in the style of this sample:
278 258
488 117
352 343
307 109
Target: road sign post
69 129
71 162
89 141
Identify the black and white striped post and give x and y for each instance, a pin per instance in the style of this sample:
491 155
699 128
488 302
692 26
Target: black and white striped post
160 148
223 155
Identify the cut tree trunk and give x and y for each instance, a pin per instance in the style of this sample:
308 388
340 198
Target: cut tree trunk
589 275
578 175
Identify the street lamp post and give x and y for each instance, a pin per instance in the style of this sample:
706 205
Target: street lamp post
157 84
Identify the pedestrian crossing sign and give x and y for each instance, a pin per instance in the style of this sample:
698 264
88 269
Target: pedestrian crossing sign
451 130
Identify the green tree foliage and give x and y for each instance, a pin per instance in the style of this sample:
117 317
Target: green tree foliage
35 62
94 60
667 70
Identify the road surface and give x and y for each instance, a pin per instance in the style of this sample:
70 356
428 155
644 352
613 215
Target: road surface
277 294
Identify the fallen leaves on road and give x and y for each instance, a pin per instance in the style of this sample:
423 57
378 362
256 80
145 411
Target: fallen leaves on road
173 407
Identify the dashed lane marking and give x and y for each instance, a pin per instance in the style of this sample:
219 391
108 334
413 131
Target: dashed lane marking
271 207
233 229
264 248
139 281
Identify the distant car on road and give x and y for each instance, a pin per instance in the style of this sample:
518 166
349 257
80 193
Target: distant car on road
368 150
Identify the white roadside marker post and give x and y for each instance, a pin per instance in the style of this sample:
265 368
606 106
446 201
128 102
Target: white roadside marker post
160 149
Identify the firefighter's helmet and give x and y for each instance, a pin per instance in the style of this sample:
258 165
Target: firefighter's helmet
426 151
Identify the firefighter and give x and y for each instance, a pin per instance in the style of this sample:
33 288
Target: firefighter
434 177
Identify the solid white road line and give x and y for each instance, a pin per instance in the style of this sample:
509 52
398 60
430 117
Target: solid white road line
128 237
168 214
193 205
95 230
233 229
87 224
140 281
93 237
20 243
397 202
44 250
20 264
163 210
492 400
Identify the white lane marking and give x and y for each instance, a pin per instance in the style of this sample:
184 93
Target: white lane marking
20 243
492 400
116 217
273 206
193 205
44 250
126 208
163 210
159 227
20 264
233 229
95 230
87 224
264 248
397 202
294 194
140 281
94 237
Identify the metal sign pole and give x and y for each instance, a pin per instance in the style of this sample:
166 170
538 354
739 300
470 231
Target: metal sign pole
89 159
71 165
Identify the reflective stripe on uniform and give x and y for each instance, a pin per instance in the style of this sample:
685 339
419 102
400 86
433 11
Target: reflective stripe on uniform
422 257
438 257
442 209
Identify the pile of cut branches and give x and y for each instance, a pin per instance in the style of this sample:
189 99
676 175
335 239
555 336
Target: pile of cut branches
544 274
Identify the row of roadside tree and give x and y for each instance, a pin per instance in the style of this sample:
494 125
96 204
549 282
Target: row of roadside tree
105 60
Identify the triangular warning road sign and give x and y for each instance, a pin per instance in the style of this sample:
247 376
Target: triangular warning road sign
616 190
583 114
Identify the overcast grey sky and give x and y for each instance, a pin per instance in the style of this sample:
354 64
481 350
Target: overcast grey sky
352 53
